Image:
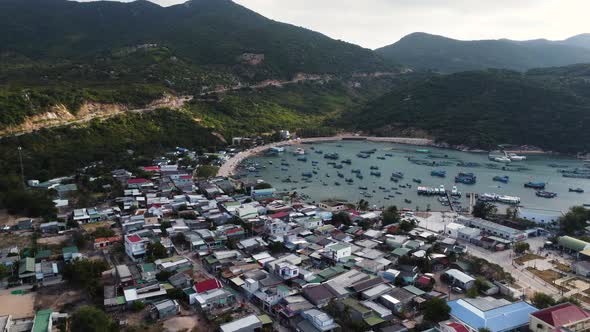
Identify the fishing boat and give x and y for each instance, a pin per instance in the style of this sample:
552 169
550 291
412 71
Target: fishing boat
359 176
358 171
299 151
465 178
349 180
393 179
314 172
376 173
576 190
535 185
439 173
374 167
346 161
417 180
369 151
408 201
362 188
503 179
338 166
333 156
276 149
381 187
454 192
303 158
398 175
381 158
388 155
515 157
545 194
363 155
306 174
340 175
336 183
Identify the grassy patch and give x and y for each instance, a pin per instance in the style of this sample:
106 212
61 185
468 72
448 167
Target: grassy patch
526 257
560 266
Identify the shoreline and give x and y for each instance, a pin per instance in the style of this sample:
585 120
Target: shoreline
228 168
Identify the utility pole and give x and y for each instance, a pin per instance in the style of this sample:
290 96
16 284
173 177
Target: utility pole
22 169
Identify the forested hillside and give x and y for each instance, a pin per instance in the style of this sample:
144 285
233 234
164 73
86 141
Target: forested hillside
484 109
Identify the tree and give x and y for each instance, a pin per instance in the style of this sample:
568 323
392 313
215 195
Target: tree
521 247
92 319
156 251
436 310
341 218
207 171
484 210
512 213
4 271
362 205
542 300
391 216
85 274
276 247
164 275
406 226
472 292
574 220
103 232
137 306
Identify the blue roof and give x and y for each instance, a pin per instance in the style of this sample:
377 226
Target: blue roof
502 318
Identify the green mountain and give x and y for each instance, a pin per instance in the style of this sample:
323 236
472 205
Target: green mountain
549 108
430 52
212 33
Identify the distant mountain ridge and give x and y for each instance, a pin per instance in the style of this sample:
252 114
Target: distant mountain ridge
206 32
431 52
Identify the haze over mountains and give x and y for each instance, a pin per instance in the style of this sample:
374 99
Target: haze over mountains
424 51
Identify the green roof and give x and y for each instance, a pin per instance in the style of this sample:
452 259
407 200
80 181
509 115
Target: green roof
373 320
69 250
26 265
121 300
42 318
331 272
265 319
401 251
189 291
338 246
414 290
148 267
43 254
412 244
355 305
572 243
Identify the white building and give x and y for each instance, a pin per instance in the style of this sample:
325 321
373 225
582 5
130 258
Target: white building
337 251
452 230
135 247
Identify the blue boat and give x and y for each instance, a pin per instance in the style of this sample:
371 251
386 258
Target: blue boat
302 159
535 185
338 166
417 180
333 156
545 194
374 167
359 176
398 175
466 178
376 173
503 179
346 161
307 174
439 173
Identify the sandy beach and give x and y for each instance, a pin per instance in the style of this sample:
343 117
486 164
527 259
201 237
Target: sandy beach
229 167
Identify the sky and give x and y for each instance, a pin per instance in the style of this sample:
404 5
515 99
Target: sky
376 23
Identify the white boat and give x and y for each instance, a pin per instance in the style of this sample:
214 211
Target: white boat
277 149
508 199
299 151
515 157
502 159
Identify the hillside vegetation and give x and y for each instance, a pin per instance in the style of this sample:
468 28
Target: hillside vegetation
430 52
484 109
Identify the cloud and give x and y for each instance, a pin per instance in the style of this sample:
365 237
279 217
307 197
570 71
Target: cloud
375 23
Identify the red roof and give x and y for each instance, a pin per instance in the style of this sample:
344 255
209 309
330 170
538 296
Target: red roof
137 181
457 327
186 177
424 280
107 239
561 314
208 285
234 230
134 238
279 215
151 168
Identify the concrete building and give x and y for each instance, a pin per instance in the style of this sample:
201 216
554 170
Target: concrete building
493 229
249 323
337 251
135 247
565 316
460 279
318 320
497 315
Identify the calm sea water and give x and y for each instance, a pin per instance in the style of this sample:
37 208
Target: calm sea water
385 192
